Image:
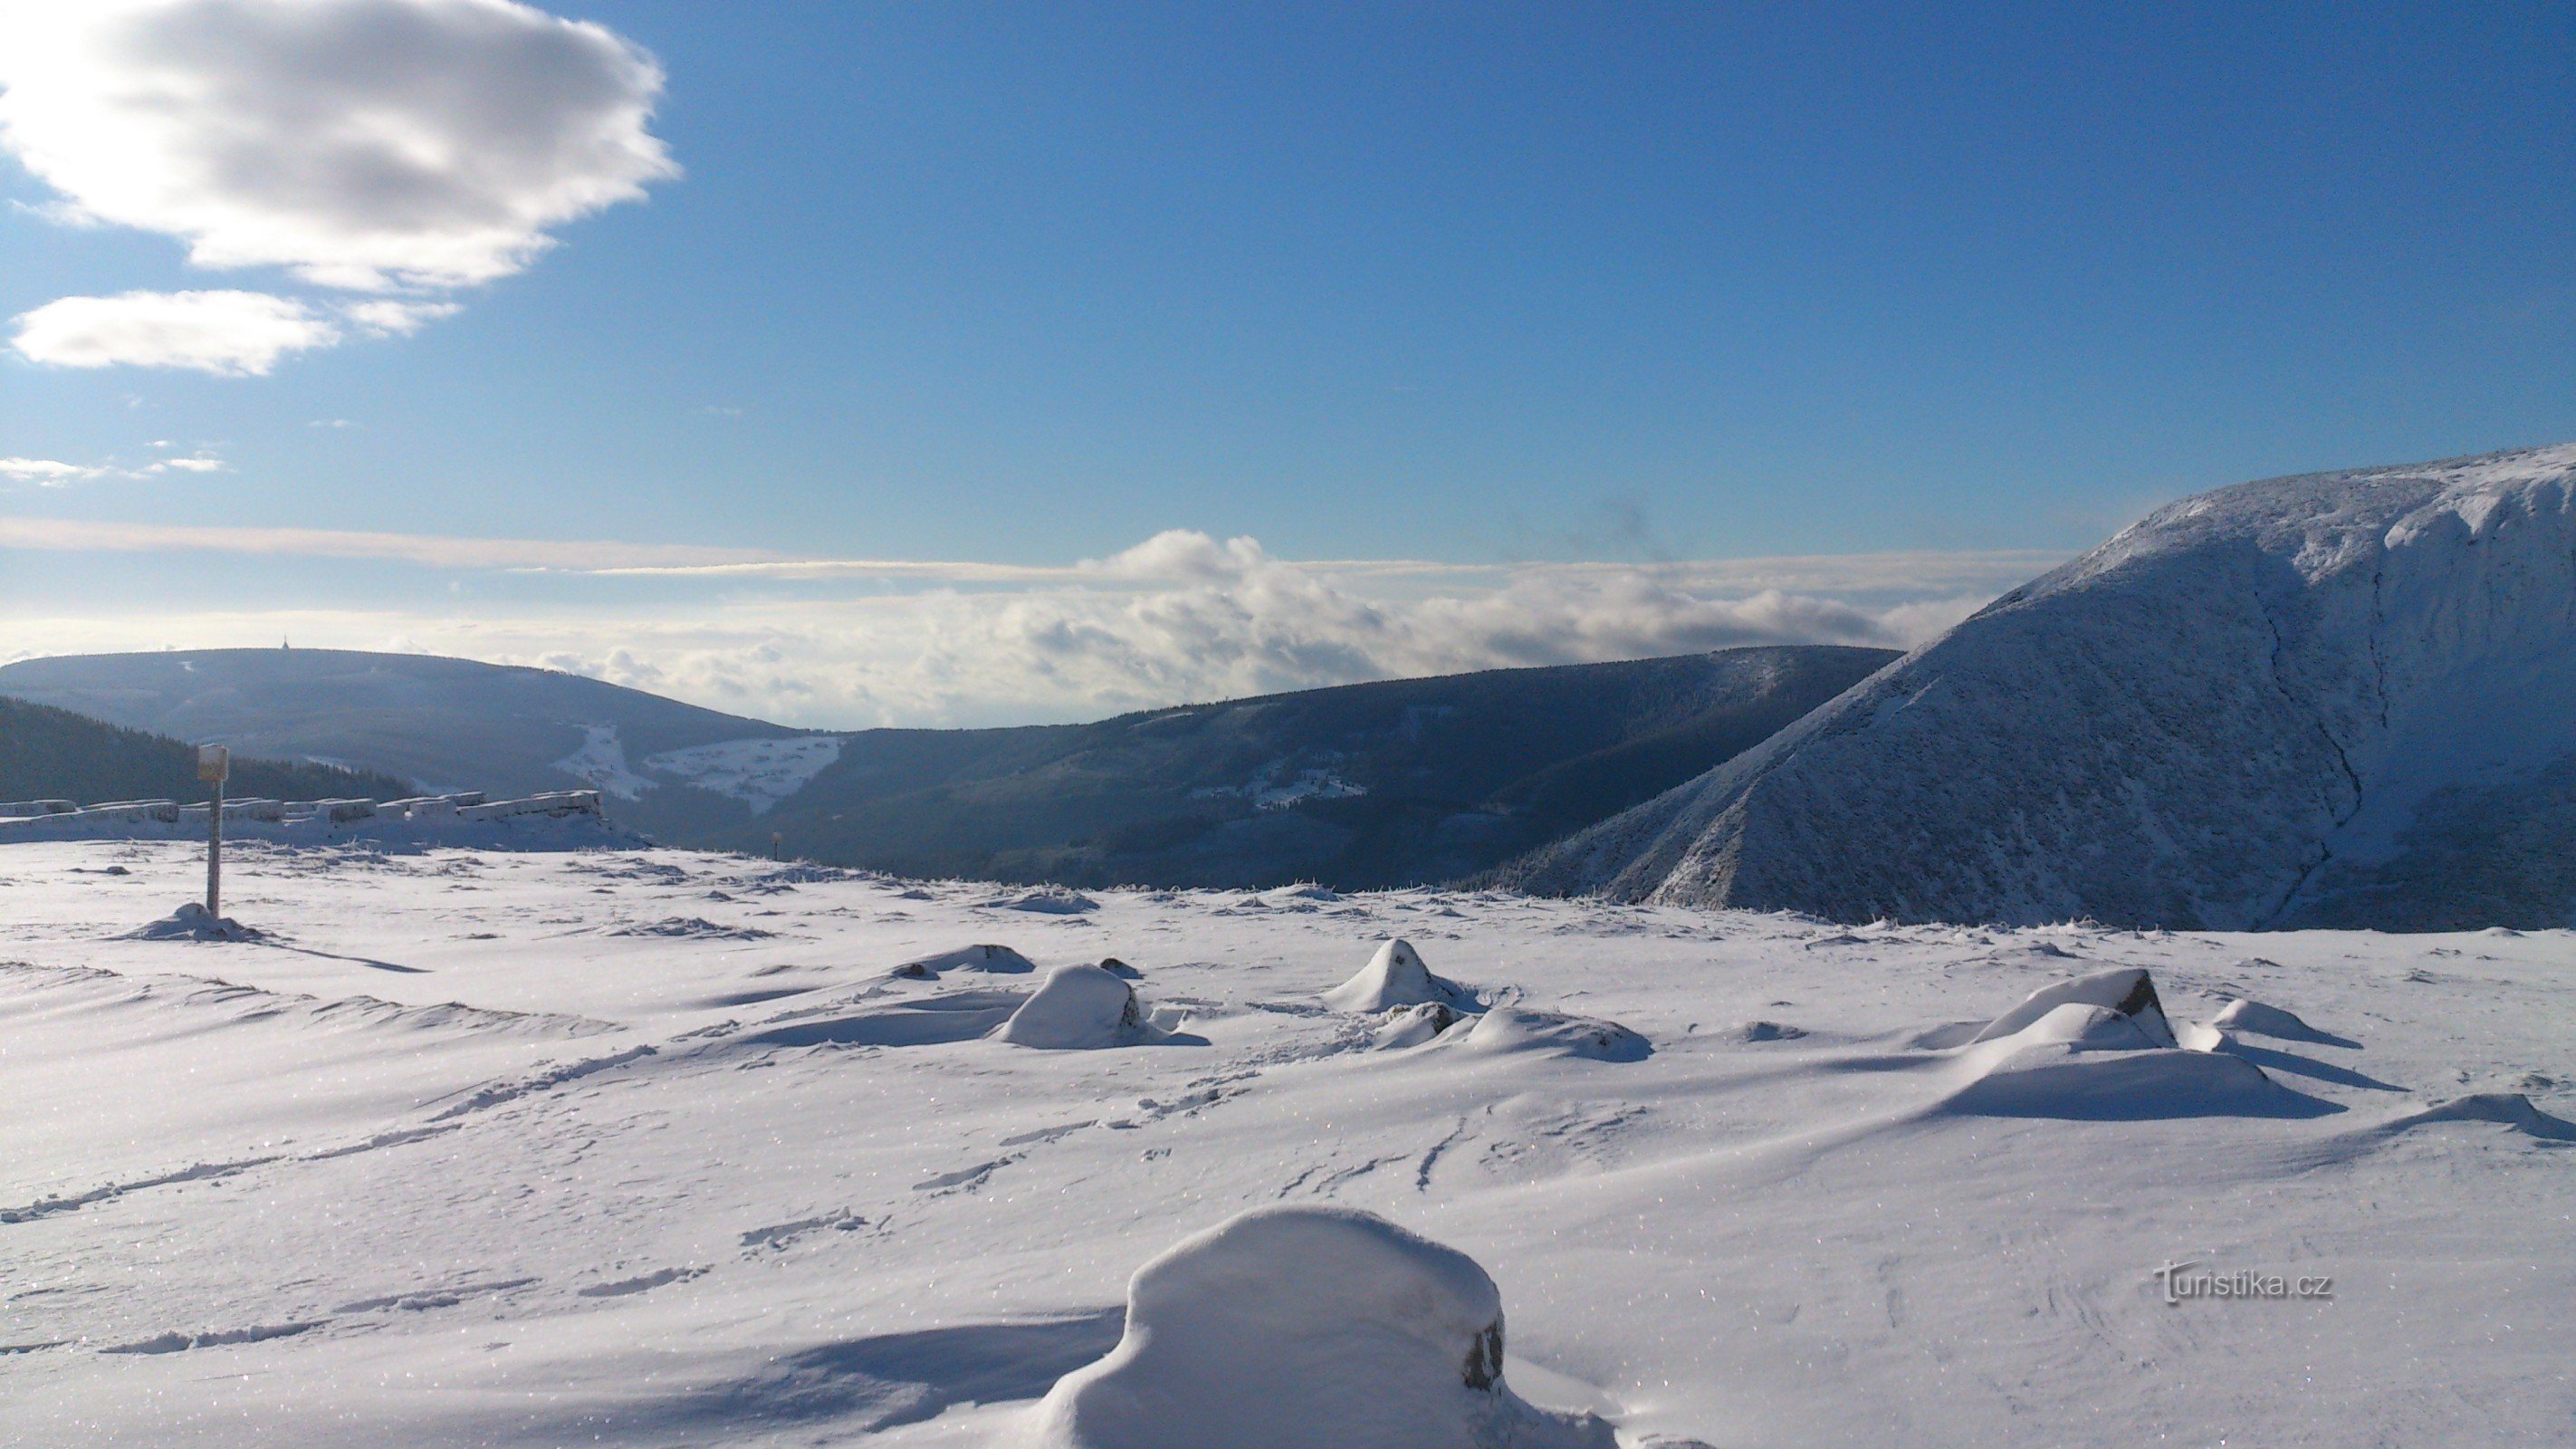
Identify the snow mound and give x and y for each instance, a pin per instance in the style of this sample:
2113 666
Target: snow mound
1516 1029
1761 1031
1046 901
1080 1008
1396 977
2241 713
2243 1015
1001 960
192 922
1285 1328
2127 991
2510 1109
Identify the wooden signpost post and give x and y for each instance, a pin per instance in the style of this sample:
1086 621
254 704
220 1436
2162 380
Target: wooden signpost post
214 763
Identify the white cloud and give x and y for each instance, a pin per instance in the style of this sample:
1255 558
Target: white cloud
364 143
1181 617
230 334
396 319
200 463
45 472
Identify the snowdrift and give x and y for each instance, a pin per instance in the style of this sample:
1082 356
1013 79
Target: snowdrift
1286 1328
2244 712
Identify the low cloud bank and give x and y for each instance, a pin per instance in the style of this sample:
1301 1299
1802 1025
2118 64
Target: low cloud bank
1180 618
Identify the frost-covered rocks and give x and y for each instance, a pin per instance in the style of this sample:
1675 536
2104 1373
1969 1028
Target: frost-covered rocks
1050 900
999 959
1287 1328
1395 977
1411 1026
2344 699
1080 1008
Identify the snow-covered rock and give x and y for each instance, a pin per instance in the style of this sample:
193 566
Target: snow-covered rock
193 922
1411 1026
1291 1327
1080 1008
998 959
2337 699
1514 1029
2127 993
2100 1047
2243 1015
1396 977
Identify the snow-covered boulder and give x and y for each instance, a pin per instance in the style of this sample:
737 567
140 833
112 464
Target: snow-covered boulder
998 959
2258 1019
1395 977
2244 712
1289 1328
193 922
1517 1029
2099 1047
1080 1008
2127 992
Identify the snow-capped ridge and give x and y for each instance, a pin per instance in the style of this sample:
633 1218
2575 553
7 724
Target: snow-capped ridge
2243 712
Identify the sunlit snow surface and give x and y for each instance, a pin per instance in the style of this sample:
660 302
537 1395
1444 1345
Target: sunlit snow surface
480 1149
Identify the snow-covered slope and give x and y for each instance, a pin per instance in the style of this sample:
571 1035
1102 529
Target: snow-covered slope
2342 698
635 1148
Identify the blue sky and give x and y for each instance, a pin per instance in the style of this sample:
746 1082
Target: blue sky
1485 286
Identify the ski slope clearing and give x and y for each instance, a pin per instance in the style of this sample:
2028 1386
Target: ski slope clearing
472 1148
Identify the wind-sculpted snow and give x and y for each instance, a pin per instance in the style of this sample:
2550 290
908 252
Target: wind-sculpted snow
2337 699
444 1159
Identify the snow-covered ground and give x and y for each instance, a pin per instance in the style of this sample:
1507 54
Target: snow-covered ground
652 1148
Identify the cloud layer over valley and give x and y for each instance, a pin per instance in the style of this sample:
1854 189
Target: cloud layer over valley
1180 617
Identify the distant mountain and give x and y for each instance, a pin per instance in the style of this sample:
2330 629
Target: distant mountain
443 724
54 754
2342 699
1363 785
